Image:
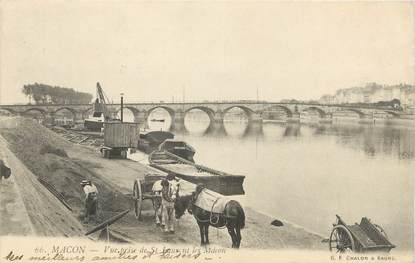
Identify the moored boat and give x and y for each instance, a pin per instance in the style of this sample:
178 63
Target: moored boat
150 141
221 182
95 123
179 148
100 113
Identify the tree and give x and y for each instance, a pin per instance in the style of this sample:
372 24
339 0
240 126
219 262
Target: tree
46 94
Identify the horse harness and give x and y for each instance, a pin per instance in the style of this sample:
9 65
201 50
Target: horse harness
168 194
212 214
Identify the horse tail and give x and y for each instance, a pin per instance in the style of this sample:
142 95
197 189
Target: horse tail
235 213
242 219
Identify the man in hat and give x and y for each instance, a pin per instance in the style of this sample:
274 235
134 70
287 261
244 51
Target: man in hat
91 200
169 195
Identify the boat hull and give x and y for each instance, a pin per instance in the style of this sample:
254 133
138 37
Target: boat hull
93 125
220 182
184 153
145 147
150 141
223 184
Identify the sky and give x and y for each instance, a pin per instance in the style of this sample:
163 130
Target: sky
199 50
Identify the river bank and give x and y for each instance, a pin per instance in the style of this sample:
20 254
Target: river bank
64 165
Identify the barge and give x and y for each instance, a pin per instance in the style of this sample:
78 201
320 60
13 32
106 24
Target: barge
164 141
150 141
179 148
218 181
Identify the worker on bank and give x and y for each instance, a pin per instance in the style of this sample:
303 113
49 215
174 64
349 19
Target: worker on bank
157 203
169 194
91 200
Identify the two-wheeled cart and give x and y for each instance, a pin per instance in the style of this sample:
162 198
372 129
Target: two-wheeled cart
142 190
363 237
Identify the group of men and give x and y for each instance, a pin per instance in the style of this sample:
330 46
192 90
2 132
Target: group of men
165 191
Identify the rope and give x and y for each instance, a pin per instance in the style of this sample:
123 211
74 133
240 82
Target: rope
211 212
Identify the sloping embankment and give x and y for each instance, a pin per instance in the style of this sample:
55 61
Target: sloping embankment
44 153
48 217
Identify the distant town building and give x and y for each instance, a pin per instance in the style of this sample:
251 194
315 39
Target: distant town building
372 93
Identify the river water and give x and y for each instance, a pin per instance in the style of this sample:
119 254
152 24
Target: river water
307 173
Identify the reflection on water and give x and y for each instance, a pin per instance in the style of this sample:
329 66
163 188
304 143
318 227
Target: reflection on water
308 173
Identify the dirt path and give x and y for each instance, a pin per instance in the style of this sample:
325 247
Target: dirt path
259 233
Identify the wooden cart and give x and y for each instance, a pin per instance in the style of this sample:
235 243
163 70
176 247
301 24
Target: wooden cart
118 138
363 237
142 190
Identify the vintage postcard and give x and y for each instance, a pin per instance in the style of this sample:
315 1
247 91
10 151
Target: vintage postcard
207 131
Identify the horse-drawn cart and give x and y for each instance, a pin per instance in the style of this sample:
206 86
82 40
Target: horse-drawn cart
142 190
363 237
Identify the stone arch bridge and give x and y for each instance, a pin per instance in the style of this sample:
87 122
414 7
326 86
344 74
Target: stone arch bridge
215 110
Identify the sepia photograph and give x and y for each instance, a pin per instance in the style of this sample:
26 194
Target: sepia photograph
207 131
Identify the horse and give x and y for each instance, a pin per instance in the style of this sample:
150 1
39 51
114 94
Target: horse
169 194
233 218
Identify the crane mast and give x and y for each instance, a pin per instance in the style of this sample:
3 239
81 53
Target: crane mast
100 105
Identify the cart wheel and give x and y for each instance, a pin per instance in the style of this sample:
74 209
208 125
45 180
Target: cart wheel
381 230
138 198
341 240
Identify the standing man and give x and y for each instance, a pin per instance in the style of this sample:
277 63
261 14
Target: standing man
91 200
169 195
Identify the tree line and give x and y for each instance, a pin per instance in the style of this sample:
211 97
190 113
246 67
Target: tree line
45 94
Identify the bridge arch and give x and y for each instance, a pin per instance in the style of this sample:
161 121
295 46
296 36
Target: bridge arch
66 108
393 113
359 112
206 110
11 111
287 111
170 111
320 112
248 111
63 121
44 115
42 111
134 110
